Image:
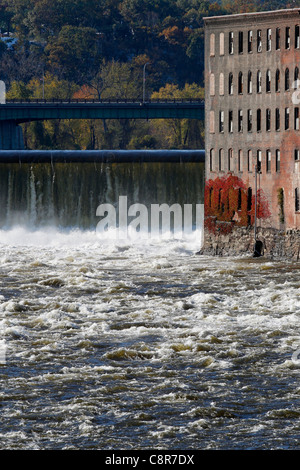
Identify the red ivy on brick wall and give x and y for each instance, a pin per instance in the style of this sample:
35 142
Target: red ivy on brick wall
228 203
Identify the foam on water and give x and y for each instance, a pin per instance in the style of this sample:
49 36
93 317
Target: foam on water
167 347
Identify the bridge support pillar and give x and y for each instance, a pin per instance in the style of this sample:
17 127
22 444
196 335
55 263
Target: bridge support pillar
11 136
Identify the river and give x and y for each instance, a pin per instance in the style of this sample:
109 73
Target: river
123 345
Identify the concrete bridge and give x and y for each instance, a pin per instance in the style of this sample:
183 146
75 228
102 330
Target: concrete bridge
15 112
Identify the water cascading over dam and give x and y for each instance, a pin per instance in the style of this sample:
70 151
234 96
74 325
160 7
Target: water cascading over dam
66 194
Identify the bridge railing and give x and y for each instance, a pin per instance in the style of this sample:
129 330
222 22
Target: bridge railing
102 101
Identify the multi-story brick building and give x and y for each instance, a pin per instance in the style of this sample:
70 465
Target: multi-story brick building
252 107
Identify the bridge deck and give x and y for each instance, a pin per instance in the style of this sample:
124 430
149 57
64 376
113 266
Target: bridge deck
31 110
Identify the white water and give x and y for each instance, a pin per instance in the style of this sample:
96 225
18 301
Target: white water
145 345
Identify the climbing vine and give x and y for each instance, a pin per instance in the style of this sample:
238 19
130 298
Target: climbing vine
228 203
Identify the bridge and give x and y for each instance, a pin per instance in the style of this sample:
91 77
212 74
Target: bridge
15 112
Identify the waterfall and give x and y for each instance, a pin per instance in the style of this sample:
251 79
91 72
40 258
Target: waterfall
67 195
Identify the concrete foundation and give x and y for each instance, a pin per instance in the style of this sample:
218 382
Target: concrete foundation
272 244
11 136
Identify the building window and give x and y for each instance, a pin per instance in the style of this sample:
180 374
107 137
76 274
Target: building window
249 161
221 159
258 120
287 79
277 160
249 120
297 36
230 84
249 199
268 161
250 41
249 88
297 155
221 84
222 44
240 160
277 119
221 121
287 37
241 40
212 122
230 159
212 44
230 42
259 43
268 119
211 159
230 121
258 161
240 120
277 80
212 84
258 82
297 200
240 83
268 81
286 118
277 39
296 78
269 39
296 119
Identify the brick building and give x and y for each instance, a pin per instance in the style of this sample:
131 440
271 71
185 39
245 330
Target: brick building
252 103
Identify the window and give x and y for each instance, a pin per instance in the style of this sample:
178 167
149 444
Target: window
297 36
212 84
249 199
222 44
268 161
240 120
297 155
212 44
287 37
297 200
249 120
268 119
240 83
249 88
296 78
250 41
221 159
230 121
221 84
221 121
211 159
239 201
241 38
287 79
277 119
258 160
277 39
211 122
230 42
258 120
259 43
249 161
230 159
268 81
277 80
258 82
277 160
269 39
230 84
240 160
286 118
296 119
